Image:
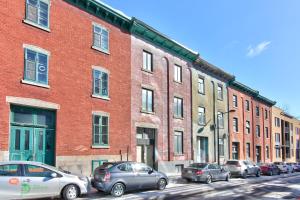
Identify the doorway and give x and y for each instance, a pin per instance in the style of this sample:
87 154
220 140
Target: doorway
202 149
32 135
145 146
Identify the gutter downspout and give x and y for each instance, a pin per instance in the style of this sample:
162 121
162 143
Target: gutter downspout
191 107
168 109
243 132
214 118
253 131
228 122
264 129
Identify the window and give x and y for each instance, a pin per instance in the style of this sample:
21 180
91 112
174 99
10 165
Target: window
221 120
100 85
147 61
177 73
235 150
100 130
248 150
126 167
220 92
221 146
257 131
201 116
277 138
147 100
100 38
37 171
266 114
178 107
235 102
36 66
141 168
267 152
10 170
267 132
248 127
257 111
201 86
277 122
277 149
37 12
235 124
178 142
247 104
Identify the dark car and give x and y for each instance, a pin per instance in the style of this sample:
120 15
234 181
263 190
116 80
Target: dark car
269 169
205 172
117 177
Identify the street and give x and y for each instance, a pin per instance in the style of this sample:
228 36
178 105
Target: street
285 186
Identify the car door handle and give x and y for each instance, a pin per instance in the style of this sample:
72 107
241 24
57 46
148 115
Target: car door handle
27 181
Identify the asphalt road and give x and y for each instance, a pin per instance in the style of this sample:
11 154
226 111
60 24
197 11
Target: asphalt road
265 187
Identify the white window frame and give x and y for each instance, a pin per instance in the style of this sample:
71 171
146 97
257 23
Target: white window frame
100 48
178 73
147 61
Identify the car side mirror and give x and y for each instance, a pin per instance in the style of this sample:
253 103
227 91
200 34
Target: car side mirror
150 171
53 175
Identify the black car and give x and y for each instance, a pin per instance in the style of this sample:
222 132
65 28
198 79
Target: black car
117 177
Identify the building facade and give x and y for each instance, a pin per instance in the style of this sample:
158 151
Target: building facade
249 124
65 79
285 131
160 103
209 112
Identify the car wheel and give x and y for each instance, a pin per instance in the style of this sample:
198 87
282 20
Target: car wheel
271 173
70 192
162 183
293 171
244 175
227 177
117 190
258 173
208 179
278 172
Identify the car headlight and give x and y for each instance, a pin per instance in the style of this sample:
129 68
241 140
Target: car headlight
83 179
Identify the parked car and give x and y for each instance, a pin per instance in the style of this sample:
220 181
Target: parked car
30 180
284 167
118 177
297 167
294 166
205 172
269 169
242 168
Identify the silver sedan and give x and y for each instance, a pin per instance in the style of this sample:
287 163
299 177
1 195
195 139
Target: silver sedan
29 180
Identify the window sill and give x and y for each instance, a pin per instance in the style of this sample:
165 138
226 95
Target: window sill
203 93
176 117
35 84
147 112
100 147
100 97
147 71
200 124
179 154
178 82
220 99
36 25
101 50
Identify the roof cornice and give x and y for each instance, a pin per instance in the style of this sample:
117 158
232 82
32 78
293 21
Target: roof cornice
254 93
212 69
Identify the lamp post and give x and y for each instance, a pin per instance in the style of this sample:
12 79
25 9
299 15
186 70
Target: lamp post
218 132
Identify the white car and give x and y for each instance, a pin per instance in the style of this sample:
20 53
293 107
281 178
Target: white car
30 180
284 167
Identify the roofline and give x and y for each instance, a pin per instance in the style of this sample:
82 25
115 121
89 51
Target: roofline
205 65
254 93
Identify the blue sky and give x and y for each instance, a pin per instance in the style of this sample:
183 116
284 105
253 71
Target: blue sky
255 40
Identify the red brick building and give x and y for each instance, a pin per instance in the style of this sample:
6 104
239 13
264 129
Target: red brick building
161 100
65 83
250 124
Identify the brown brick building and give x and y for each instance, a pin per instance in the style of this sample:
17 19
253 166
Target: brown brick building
161 100
250 124
65 83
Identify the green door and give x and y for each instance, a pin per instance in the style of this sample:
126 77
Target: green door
21 143
39 145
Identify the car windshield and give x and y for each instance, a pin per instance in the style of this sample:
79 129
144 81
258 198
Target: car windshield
57 169
198 165
232 162
107 165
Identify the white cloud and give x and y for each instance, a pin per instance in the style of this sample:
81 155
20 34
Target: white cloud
258 49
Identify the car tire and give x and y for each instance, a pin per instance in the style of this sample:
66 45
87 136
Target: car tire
117 190
258 173
227 178
271 173
70 192
244 175
278 172
162 183
208 179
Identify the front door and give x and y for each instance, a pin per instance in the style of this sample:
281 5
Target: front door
202 149
39 145
21 143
